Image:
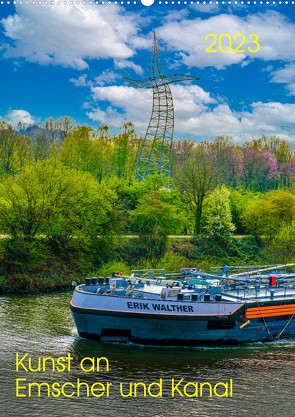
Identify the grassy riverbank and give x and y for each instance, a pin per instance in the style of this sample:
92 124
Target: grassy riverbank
43 265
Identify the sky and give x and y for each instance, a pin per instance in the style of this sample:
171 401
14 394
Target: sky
68 60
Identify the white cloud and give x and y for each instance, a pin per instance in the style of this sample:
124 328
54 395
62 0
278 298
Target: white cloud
262 119
206 8
285 75
86 105
124 63
110 117
14 117
80 82
135 104
197 113
106 77
275 35
68 35
176 14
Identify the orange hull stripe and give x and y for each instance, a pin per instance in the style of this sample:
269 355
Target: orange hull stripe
281 313
270 311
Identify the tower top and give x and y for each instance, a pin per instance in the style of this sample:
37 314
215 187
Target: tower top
155 153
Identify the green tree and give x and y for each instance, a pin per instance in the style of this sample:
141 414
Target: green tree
268 214
281 148
49 198
42 147
57 130
100 153
79 150
196 178
154 220
239 201
218 226
283 243
123 157
14 150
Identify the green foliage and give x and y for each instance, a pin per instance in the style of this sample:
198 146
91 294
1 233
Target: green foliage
154 219
153 182
19 253
283 242
99 153
68 191
218 216
14 150
268 214
74 213
239 200
80 151
196 177
49 198
172 262
123 157
113 266
281 148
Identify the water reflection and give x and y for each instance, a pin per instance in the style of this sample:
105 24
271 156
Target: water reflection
41 325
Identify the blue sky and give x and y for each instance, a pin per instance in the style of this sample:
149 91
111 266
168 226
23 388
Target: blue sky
58 60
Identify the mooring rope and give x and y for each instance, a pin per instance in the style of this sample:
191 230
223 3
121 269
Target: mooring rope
269 334
266 327
279 335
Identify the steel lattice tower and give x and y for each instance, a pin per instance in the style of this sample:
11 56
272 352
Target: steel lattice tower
155 153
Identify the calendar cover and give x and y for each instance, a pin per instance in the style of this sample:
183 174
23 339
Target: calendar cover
147 166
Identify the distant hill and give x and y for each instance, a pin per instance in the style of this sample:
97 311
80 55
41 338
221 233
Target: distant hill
32 131
35 131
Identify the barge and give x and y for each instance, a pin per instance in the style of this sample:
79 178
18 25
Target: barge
234 305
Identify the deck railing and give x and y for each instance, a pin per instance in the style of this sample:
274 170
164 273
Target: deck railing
240 270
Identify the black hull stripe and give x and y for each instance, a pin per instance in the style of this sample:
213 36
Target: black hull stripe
171 342
270 303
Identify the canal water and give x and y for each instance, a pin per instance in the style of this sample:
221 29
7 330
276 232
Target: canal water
41 326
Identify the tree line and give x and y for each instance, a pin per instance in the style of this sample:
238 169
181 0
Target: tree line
75 186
